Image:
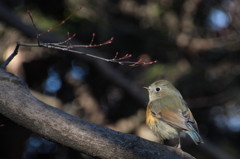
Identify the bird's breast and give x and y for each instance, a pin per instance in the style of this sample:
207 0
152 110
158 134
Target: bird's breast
159 127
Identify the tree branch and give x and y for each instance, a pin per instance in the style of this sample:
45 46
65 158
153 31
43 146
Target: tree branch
17 103
104 68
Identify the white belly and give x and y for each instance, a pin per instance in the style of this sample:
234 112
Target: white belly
164 131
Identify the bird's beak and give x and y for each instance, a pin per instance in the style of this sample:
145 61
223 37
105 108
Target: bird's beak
146 88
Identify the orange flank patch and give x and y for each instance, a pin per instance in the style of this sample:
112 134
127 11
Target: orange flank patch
150 120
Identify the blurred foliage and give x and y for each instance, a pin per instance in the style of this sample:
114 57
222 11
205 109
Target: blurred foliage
196 44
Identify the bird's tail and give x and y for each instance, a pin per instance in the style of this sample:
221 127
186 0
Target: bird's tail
195 136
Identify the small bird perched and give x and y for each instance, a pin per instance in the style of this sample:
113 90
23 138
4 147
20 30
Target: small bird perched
167 114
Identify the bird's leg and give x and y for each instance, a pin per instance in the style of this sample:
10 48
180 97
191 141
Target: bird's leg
179 143
161 141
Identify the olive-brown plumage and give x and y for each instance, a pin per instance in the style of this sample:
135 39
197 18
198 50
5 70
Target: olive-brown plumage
167 114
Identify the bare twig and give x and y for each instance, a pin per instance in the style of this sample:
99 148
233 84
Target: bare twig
84 46
34 25
61 23
9 59
104 68
67 42
67 46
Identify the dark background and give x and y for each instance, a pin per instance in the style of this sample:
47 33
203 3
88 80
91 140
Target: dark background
195 42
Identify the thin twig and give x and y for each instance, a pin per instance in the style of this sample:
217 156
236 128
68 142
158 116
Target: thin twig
70 48
61 23
66 46
34 26
67 42
93 45
93 36
9 59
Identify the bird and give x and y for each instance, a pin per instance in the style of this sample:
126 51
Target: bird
168 115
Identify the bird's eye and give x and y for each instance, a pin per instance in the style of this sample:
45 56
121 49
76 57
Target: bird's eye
158 89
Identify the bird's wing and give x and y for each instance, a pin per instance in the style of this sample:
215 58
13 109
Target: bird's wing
179 119
172 113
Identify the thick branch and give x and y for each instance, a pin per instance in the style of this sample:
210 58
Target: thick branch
20 106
